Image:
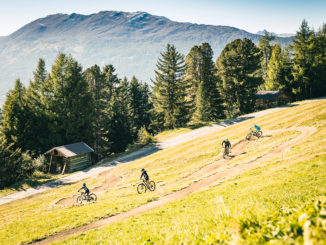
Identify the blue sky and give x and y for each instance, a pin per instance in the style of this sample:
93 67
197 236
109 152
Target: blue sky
251 15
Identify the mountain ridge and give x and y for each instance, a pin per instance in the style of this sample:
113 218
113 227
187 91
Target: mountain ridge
130 41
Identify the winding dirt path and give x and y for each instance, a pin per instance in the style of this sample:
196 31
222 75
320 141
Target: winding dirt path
204 183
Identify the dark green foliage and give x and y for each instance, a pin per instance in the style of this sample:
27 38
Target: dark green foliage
36 126
203 94
13 165
266 49
69 103
238 70
303 61
101 90
14 116
139 107
279 76
169 90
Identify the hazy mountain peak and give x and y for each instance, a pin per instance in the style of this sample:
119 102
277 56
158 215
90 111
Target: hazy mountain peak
131 41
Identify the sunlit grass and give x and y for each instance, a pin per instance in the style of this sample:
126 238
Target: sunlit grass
196 218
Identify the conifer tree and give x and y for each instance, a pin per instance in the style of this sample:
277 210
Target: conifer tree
238 69
279 75
169 90
100 92
14 116
303 61
36 127
69 103
139 106
266 49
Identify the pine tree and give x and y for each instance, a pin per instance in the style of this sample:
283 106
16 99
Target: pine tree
139 106
119 133
303 61
69 103
238 69
100 92
266 48
319 63
279 75
169 90
36 127
193 63
14 116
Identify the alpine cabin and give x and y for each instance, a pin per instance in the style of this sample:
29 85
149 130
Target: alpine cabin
69 158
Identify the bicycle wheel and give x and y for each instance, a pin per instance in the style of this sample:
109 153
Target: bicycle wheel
79 200
248 137
92 197
151 185
141 188
259 134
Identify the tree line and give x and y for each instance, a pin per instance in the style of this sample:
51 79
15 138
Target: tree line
69 104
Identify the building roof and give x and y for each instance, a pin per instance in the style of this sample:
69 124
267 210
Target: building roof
268 95
72 149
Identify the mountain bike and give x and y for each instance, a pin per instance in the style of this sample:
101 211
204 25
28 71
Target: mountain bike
226 151
254 133
84 197
143 187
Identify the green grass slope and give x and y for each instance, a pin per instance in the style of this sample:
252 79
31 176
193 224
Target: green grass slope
260 205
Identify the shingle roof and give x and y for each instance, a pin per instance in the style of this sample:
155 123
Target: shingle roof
268 95
72 149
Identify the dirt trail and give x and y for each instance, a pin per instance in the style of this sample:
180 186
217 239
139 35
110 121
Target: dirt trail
110 180
199 185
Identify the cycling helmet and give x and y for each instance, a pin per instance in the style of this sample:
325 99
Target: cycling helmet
142 169
84 184
226 139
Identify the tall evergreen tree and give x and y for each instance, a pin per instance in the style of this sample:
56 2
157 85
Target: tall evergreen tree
120 134
14 116
238 69
303 61
69 103
36 127
169 90
279 75
139 106
200 72
101 93
319 64
193 63
266 48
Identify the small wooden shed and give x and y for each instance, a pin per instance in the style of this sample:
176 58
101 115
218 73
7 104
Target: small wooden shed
267 99
69 158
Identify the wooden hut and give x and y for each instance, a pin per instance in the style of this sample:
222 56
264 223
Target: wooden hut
69 158
267 99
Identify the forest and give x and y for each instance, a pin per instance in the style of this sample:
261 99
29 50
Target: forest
70 104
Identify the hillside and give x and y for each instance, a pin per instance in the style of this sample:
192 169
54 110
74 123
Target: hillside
254 196
131 42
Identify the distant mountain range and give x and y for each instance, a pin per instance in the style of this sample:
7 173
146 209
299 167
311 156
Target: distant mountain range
131 42
275 34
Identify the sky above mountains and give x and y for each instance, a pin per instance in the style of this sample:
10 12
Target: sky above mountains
279 16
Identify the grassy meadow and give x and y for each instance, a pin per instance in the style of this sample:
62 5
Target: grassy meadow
240 210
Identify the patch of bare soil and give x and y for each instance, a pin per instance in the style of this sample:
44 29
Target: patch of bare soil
110 180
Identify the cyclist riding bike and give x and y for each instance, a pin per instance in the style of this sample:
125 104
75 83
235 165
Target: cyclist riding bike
144 175
86 190
226 144
255 128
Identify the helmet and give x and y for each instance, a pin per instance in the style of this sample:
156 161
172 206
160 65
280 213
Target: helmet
142 169
84 184
226 139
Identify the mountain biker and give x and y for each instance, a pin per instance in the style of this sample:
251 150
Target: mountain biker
86 190
255 128
226 144
144 175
